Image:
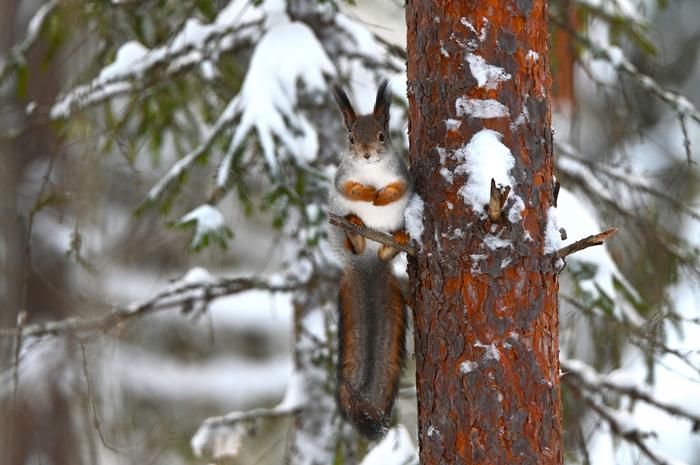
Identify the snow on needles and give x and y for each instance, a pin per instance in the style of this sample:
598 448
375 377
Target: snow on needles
208 221
484 158
269 93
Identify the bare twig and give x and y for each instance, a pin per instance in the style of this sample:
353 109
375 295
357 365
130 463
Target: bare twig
373 234
21 319
174 297
596 239
93 404
686 139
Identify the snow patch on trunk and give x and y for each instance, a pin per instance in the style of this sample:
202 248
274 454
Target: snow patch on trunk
484 158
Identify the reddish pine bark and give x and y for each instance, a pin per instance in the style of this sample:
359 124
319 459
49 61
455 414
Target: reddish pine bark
485 330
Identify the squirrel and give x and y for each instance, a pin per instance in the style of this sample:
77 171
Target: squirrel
371 188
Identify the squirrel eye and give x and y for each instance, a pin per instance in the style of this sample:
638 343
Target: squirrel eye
351 139
381 137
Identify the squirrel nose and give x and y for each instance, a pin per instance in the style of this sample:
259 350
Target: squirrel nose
366 155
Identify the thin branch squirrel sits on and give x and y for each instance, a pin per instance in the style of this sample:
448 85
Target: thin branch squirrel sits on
372 188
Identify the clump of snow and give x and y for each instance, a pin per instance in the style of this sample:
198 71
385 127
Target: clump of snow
490 352
127 56
495 242
484 29
532 56
552 236
522 118
444 170
443 50
481 108
396 448
516 209
486 75
208 221
413 217
198 275
295 395
484 158
452 124
468 366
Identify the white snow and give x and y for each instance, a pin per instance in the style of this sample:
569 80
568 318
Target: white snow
207 219
452 124
413 217
486 75
552 235
495 242
484 158
198 275
188 47
481 108
490 352
532 56
516 209
127 56
268 96
396 448
577 217
468 366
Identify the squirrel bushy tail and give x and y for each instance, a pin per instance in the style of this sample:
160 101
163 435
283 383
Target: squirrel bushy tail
371 349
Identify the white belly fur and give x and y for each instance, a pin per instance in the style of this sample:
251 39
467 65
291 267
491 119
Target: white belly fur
388 218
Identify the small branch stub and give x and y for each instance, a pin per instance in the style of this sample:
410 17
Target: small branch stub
499 195
590 241
373 234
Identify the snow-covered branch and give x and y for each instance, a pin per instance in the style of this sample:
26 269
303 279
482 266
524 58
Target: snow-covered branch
622 424
135 65
17 55
593 381
186 294
616 57
574 164
177 171
222 436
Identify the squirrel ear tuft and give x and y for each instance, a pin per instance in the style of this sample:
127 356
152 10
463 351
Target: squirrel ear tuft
345 106
382 104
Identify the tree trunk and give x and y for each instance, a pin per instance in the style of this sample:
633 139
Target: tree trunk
483 295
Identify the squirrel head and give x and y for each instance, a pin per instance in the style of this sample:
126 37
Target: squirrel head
368 135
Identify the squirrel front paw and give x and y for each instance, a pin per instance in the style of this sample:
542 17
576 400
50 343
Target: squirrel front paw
389 194
387 252
356 191
353 241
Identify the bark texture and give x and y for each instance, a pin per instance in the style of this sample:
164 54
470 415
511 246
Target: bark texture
485 311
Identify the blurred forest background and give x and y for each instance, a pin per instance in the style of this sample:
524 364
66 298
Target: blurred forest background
163 172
